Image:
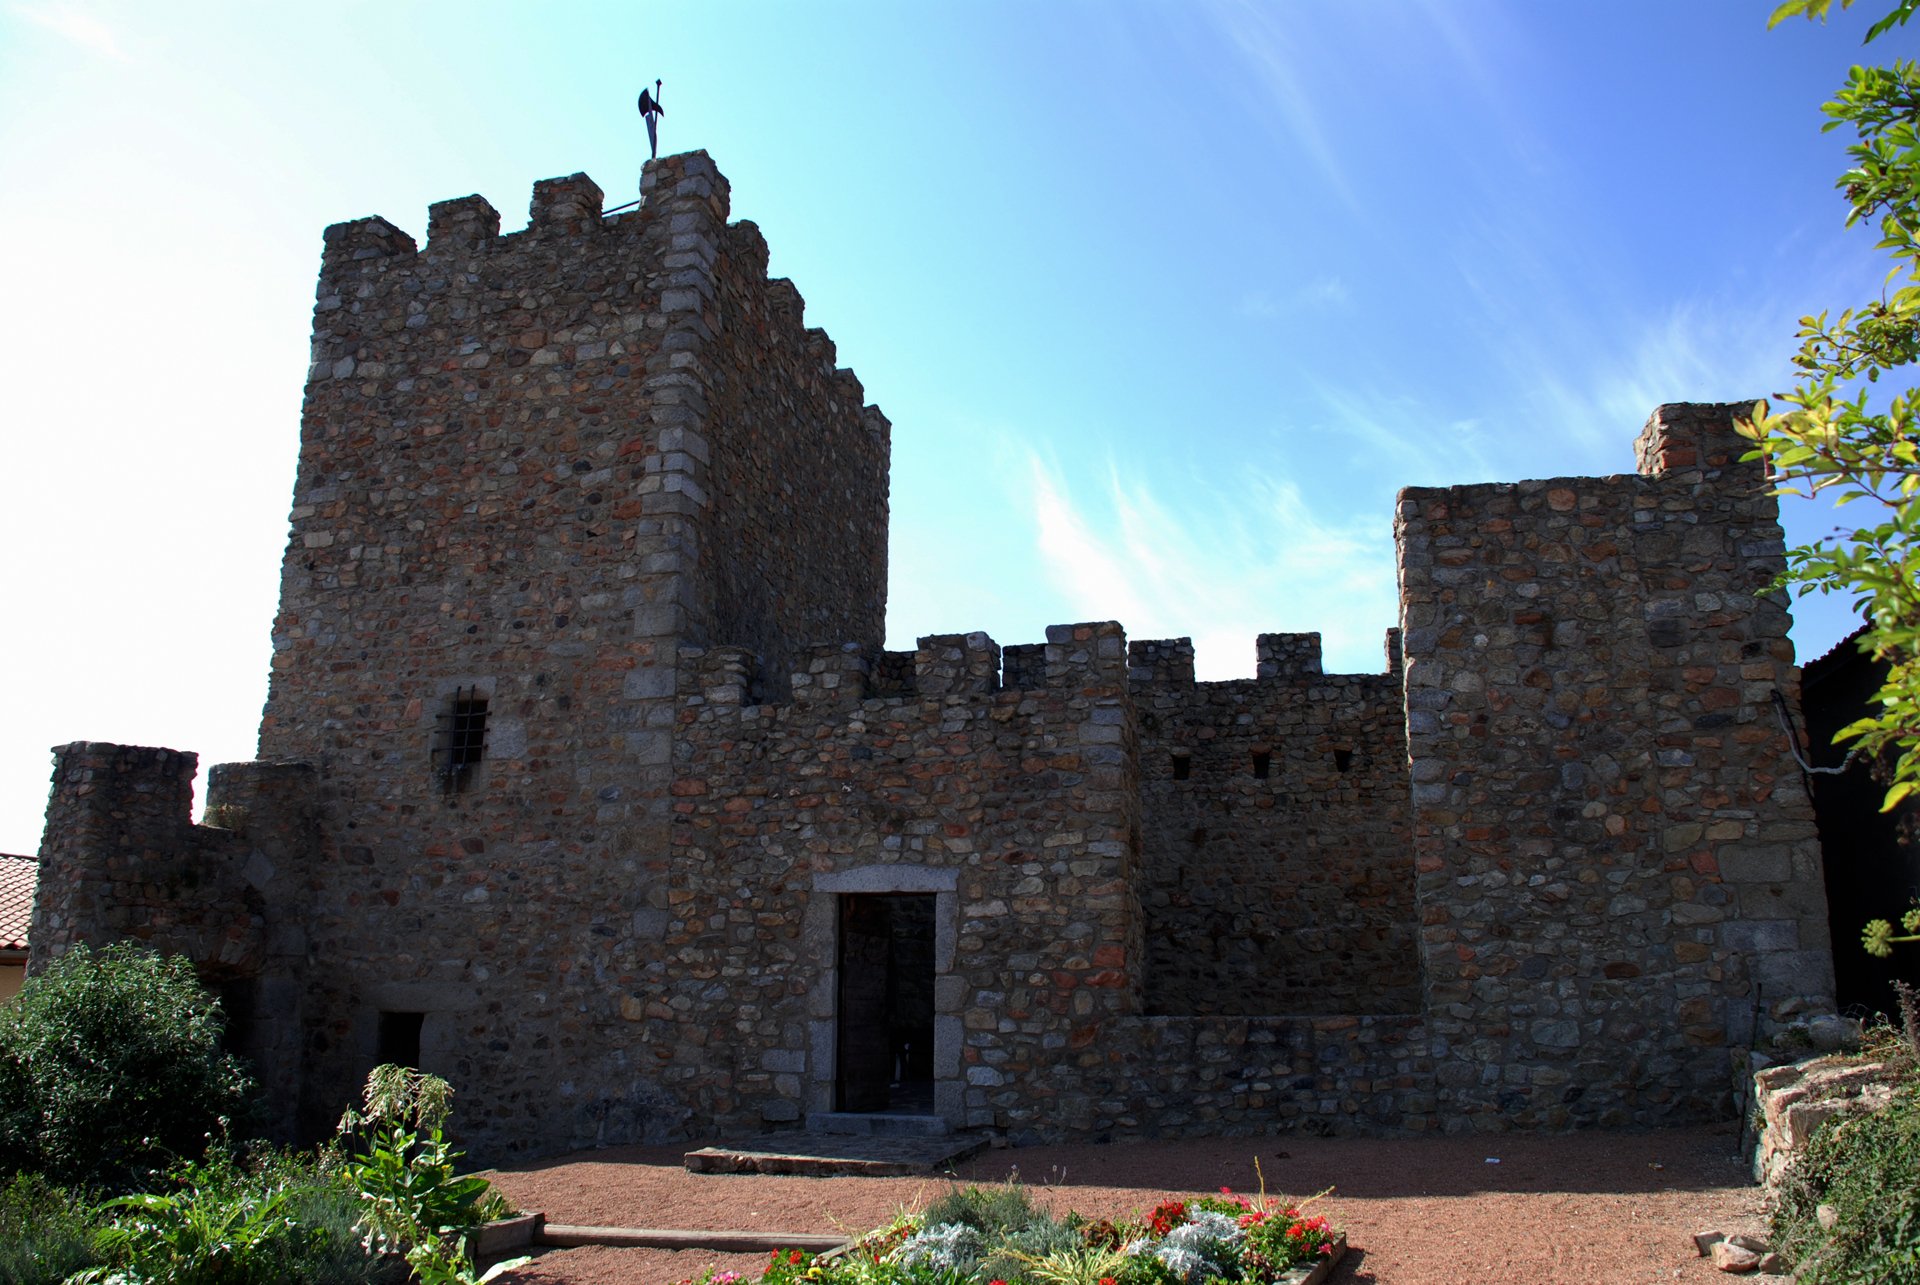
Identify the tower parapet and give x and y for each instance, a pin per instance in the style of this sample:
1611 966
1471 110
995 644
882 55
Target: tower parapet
1699 439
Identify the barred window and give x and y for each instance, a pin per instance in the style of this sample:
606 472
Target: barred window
461 741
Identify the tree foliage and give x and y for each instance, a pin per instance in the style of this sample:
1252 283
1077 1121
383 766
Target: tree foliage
111 1069
1845 433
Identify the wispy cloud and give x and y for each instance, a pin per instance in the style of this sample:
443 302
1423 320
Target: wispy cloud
1477 49
71 23
1323 292
1692 351
1263 35
1259 560
1410 443
1577 355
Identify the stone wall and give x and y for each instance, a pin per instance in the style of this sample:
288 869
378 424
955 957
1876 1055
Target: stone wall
123 861
579 735
1017 808
1617 866
1274 818
1196 1076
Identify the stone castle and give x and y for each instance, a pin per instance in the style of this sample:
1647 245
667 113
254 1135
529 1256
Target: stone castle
586 782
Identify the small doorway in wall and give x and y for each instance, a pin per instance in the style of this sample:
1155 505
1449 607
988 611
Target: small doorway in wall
885 1037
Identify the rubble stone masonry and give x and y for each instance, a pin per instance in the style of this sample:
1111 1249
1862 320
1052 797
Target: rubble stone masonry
580 739
1618 872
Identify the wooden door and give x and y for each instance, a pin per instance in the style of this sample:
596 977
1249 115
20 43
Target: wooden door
865 1050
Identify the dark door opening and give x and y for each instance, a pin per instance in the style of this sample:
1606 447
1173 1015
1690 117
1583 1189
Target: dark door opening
399 1039
886 1003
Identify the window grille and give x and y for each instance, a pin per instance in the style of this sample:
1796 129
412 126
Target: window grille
461 741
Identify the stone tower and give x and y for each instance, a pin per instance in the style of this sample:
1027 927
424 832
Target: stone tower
532 468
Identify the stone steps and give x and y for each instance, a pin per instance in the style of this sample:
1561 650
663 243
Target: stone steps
817 1154
878 1124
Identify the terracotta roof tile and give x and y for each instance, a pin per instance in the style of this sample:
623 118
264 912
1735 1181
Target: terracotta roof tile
18 875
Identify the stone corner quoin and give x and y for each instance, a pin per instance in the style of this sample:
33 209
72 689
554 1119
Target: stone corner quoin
587 783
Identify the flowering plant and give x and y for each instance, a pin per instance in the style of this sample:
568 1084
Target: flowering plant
1001 1238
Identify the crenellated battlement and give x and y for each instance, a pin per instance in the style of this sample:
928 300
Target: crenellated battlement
974 665
121 851
1165 662
461 224
1279 658
941 667
1698 440
669 245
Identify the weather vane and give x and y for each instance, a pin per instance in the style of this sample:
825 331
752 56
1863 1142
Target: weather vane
652 111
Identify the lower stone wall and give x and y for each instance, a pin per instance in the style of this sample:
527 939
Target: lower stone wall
1016 810
1168 1077
1796 1099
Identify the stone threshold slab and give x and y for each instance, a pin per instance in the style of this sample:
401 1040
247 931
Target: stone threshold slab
825 1155
567 1236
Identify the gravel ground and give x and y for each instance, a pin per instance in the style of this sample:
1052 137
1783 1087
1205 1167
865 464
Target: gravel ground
1593 1208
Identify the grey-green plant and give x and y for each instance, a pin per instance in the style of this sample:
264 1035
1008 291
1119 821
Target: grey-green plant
1205 1246
945 1247
1004 1207
1011 1255
46 1232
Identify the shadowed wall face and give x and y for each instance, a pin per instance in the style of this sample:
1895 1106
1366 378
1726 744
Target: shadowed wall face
1278 874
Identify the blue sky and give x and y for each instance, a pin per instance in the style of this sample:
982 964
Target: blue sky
1165 300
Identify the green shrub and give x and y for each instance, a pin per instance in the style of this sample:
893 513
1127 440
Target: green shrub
46 1233
994 1210
332 1248
111 1069
404 1172
1866 1169
279 1218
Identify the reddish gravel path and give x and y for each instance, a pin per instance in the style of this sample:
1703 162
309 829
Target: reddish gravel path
1592 1208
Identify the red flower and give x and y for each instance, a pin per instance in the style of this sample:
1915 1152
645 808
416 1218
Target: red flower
1226 1191
1107 1280
1169 1214
793 1257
